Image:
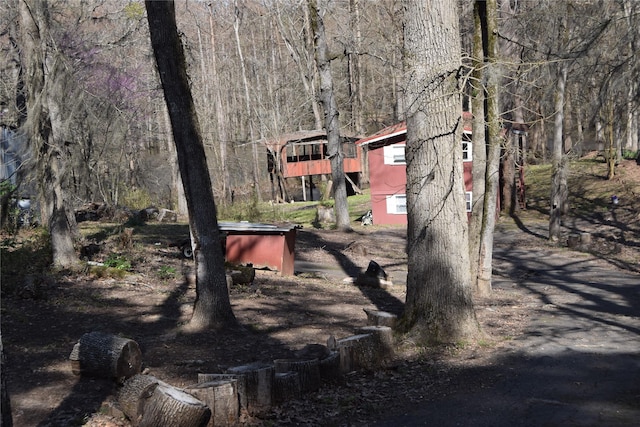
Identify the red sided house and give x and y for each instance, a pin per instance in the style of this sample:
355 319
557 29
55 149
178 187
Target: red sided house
388 171
303 155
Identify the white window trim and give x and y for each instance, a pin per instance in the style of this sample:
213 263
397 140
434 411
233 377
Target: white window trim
390 152
468 201
466 138
392 204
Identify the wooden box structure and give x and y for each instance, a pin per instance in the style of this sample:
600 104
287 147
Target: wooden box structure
262 245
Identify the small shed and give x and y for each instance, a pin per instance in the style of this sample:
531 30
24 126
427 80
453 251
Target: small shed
388 171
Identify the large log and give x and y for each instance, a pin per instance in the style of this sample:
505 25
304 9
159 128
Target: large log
134 394
169 406
259 385
308 370
105 355
221 397
149 402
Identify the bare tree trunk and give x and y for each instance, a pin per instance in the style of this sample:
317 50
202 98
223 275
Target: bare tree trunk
220 118
332 123
479 141
5 400
44 118
355 69
487 163
212 307
439 306
247 96
559 192
492 173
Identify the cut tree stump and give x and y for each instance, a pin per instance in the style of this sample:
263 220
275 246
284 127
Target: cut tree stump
380 318
330 367
149 402
383 342
259 385
309 371
286 386
221 397
106 355
241 384
357 352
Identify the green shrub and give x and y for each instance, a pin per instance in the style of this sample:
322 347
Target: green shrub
118 262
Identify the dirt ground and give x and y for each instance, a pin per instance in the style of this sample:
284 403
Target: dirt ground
278 315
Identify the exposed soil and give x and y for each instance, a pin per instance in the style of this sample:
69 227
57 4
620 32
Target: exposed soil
44 316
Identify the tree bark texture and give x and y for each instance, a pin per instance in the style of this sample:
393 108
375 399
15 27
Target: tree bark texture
308 371
5 400
286 386
491 179
560 164
479 150
134 394
106 355
43 70
239 379
439 304
212 307
331 114
258 379
222 399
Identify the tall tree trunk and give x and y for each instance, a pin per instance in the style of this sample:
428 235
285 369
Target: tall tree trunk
492 172
486 157
220 117
212 308
439 306
559 191
247 101
332 123
355 69
43 126
479 140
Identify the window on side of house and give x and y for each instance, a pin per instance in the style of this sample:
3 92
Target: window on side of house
467 147
394 154
468 198
397 204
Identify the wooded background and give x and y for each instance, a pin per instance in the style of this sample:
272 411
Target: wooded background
253 77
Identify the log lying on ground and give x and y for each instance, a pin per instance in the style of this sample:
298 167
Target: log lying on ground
134 394
259 385
381 318
149 402
221 397
106 355
308 370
